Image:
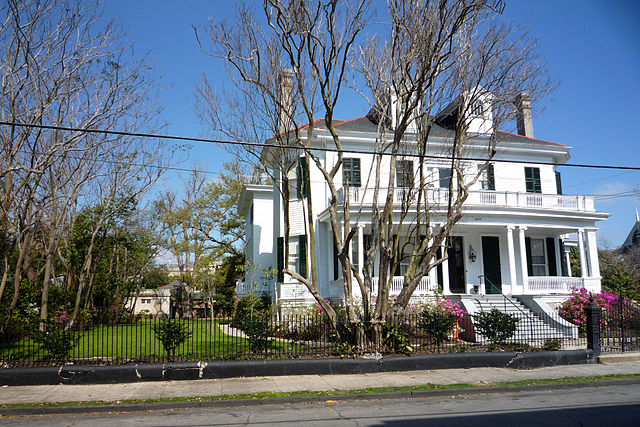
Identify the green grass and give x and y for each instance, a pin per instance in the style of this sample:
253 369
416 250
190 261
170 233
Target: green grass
329 394
138 341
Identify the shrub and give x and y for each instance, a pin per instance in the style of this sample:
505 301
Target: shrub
396 337
552 344
56 337
496 326
259 333
171 333
573 309
439 319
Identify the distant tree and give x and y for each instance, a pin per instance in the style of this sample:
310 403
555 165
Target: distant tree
203 226
620 273
230 271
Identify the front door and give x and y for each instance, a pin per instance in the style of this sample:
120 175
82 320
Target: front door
491 264
457 282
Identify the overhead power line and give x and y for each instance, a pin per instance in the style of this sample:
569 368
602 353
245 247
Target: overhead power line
321 149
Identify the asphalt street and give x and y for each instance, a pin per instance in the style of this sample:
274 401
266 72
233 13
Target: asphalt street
597 405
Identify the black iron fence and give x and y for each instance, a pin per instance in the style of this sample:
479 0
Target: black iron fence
272 337
620 327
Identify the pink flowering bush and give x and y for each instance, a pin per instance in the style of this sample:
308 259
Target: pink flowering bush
573 309
440 319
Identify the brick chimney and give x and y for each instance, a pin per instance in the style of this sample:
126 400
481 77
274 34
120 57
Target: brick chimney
523 115
286 99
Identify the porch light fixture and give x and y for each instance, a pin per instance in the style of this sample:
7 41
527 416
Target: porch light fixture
472 254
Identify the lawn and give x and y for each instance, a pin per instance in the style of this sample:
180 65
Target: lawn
137 341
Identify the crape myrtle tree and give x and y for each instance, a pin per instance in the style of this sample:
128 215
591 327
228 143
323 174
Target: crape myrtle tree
62 65
289 68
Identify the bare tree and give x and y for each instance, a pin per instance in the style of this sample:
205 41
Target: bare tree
429 54
61 66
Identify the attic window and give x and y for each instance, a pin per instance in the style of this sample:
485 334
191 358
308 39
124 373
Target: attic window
477 109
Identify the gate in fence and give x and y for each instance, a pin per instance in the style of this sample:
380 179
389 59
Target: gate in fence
620 327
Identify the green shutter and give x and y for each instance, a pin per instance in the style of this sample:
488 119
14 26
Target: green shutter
355 172
527 244
302 255
335 260
280 259
532 180
563 260
551 255
491 180
302 181
558 183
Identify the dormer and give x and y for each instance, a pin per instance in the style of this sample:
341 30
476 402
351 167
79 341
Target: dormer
476 106
391 112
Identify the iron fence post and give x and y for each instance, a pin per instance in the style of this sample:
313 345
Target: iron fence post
593 327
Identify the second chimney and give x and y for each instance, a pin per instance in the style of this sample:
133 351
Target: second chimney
523 115
286 100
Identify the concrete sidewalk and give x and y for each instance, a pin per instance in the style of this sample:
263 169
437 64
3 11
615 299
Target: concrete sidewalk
625 364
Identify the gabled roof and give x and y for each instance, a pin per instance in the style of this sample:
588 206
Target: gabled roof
367 124
634 235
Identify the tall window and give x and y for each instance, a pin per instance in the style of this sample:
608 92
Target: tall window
297 255
444 175
351 172
404 173
532 180
538 266
488 180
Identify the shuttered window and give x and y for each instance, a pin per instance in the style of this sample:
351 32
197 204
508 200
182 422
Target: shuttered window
404 173
532 180
488 180
351 172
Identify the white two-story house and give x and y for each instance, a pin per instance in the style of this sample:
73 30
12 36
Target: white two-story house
513 236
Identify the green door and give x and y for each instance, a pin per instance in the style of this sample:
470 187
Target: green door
455 251
491 264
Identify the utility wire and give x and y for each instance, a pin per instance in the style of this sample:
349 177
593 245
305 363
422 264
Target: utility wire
322 149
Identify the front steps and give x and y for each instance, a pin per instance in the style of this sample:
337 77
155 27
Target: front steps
531 327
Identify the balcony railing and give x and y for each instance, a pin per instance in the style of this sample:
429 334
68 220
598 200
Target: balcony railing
425 287
554 284
440 196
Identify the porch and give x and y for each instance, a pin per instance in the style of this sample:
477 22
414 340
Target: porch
488 258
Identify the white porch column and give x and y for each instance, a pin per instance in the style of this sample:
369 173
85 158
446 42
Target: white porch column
583 260
513 280
568 261
445 270
523 259
360 248
592 252
433 280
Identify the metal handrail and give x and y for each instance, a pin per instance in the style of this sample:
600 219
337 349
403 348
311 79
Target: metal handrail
506 298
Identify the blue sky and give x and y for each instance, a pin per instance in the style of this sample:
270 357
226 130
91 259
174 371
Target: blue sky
592 49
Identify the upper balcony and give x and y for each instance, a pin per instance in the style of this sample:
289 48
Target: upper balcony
440 196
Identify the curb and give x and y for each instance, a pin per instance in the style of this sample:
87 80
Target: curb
90 374
140 407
